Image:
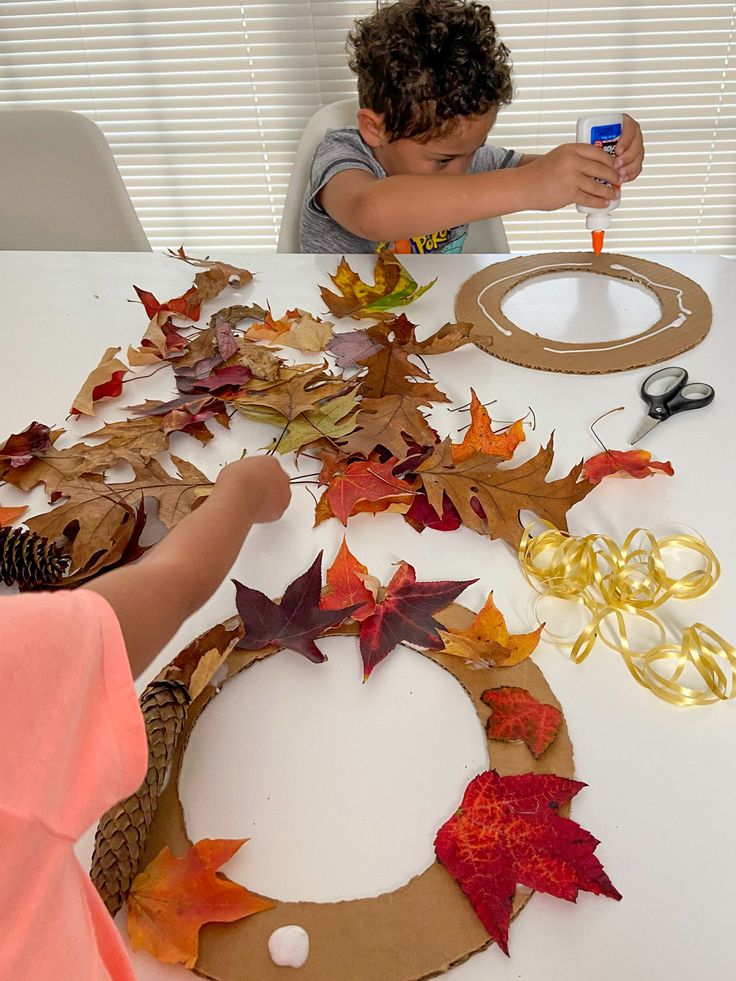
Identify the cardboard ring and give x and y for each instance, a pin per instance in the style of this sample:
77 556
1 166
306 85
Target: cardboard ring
419 930
685 318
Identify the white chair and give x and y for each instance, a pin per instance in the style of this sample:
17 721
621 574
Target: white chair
60 189
483 236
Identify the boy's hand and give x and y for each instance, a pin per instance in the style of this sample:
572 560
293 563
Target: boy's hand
263 484
629 151
570 174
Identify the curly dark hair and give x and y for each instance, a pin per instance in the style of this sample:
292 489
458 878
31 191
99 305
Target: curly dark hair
423 64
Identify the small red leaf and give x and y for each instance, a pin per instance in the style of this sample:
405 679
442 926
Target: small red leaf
422 515
635 463
518 715
20 448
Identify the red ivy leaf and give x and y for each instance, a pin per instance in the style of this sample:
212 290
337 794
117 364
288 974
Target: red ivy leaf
518 715
405 614
507 831
295 622
635 463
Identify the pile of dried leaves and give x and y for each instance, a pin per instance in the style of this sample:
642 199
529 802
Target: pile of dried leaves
364 419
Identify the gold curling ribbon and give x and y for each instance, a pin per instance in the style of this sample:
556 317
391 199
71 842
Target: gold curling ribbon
613 582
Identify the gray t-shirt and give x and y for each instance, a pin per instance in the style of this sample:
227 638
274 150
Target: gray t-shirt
344 149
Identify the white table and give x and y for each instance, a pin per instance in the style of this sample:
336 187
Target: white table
341 786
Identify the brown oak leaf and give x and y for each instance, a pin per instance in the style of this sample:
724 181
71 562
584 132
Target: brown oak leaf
489 499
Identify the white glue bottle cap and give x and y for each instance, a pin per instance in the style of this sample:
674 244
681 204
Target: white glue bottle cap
597 222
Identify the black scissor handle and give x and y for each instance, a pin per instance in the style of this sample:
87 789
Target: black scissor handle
660 389
695 395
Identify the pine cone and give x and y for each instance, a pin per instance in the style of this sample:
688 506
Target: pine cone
29 560
123 830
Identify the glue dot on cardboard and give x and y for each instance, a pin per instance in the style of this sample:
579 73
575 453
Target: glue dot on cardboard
289 946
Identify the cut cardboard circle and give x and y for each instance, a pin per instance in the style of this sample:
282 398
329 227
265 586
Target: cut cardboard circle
417 931
684 320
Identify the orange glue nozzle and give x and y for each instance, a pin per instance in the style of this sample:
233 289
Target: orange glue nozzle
597 241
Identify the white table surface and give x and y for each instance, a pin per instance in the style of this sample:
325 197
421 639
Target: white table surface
341 786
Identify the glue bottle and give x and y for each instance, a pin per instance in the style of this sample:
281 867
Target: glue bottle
602 129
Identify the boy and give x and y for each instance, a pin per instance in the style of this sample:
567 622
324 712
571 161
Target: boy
432 76
72 739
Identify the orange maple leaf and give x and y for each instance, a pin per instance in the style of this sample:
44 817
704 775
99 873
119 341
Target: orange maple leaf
480 438
635 463
488 641
173 897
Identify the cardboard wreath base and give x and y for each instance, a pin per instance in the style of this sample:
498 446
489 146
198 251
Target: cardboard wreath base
684 321
419 930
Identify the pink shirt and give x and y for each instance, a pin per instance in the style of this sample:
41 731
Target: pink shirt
72 743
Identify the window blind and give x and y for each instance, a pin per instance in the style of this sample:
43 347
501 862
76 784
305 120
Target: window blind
203 103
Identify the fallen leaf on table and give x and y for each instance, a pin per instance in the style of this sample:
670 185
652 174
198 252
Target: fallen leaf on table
489 500
213 280
296 622
128 439
405 614
105 381
480 438
20 448
488 641
235 314
422 515
448 338
351 347
335 417
55 469
221 378
507 831
634 463
517 714
296 329
195 666
366 480
390 372
393 422
174 897
261 362
346 586
393 287
9 515
226 343
304 390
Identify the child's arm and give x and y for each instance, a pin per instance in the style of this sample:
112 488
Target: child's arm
384 209
153 597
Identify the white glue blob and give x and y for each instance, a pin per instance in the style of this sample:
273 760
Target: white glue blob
289 946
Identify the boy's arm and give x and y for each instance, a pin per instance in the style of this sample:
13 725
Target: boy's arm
152 598
401 206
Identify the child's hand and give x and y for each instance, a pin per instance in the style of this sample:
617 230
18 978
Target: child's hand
569 174
629 151
263 483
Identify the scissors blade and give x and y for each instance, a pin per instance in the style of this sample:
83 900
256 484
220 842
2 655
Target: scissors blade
647 425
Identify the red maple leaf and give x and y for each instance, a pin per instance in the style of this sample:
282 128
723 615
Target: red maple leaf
507 831
295 622
518 715
180 305
635 463
365 480
405 614
345 587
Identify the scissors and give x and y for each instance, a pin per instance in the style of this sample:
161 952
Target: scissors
667 392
